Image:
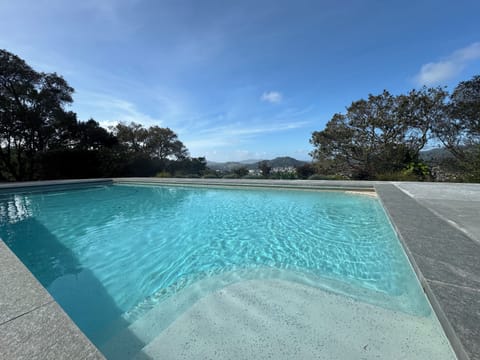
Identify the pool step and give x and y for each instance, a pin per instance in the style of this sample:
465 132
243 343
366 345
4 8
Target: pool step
277 319
129 341
140 333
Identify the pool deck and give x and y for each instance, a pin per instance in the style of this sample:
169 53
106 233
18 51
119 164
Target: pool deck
438 225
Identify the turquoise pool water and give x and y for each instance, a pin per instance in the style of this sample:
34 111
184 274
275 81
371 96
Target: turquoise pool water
108 254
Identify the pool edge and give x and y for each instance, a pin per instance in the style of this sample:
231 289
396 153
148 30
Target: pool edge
404 236
34 325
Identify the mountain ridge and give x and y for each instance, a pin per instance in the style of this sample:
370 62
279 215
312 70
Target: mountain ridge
281 161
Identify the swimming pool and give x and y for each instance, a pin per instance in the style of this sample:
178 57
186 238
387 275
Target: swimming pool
110 255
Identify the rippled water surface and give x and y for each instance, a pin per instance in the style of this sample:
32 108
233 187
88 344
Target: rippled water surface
105 252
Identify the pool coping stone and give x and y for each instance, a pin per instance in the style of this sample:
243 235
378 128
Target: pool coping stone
444 258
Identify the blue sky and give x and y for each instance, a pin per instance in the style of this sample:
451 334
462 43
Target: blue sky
241 79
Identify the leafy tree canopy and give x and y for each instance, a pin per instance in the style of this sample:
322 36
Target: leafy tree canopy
459 130
381 134
32 114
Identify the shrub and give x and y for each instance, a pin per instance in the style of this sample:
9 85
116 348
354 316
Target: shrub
241 171
305 171
210 176
398 176
163 174
283 175
253 177
326 177
230 176
190 176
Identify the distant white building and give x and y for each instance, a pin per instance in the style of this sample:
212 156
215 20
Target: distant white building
283 169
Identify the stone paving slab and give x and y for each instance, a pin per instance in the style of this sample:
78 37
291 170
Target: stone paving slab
50 183
343 185
45 333
458 204
446 261
20 292
32 324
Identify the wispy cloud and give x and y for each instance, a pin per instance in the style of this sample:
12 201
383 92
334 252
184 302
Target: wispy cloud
435 73
109 110
273 97
221 138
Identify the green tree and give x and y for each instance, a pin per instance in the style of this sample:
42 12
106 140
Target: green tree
459 129
163 143
305 171
131 137
379 135
90 135
240 171
265 168
32 114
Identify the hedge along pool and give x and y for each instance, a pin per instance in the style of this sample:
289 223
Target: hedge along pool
111 254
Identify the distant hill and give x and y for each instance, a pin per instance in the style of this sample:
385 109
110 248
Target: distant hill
284 161
435 155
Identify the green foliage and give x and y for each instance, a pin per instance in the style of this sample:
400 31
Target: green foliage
379 135
397 176
253 177
418 169
32 115
231 176
326 177
283 175
210 176
459 131
64 164
163 143
39 139
414 171
186 166
305 171
240 171
264 168
163 174
188 176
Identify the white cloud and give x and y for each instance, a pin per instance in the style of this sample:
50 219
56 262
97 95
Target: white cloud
109 110
273 97
225 137
436 73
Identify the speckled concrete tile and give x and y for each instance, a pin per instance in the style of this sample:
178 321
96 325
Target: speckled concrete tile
54 335
462 306
20 292
276 319
446 257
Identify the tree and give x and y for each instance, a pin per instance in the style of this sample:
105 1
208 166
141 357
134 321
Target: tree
91 136
163 143
39 138
31 114
379 135
188 167
305 171
131 137
265 168
240 171
459 129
